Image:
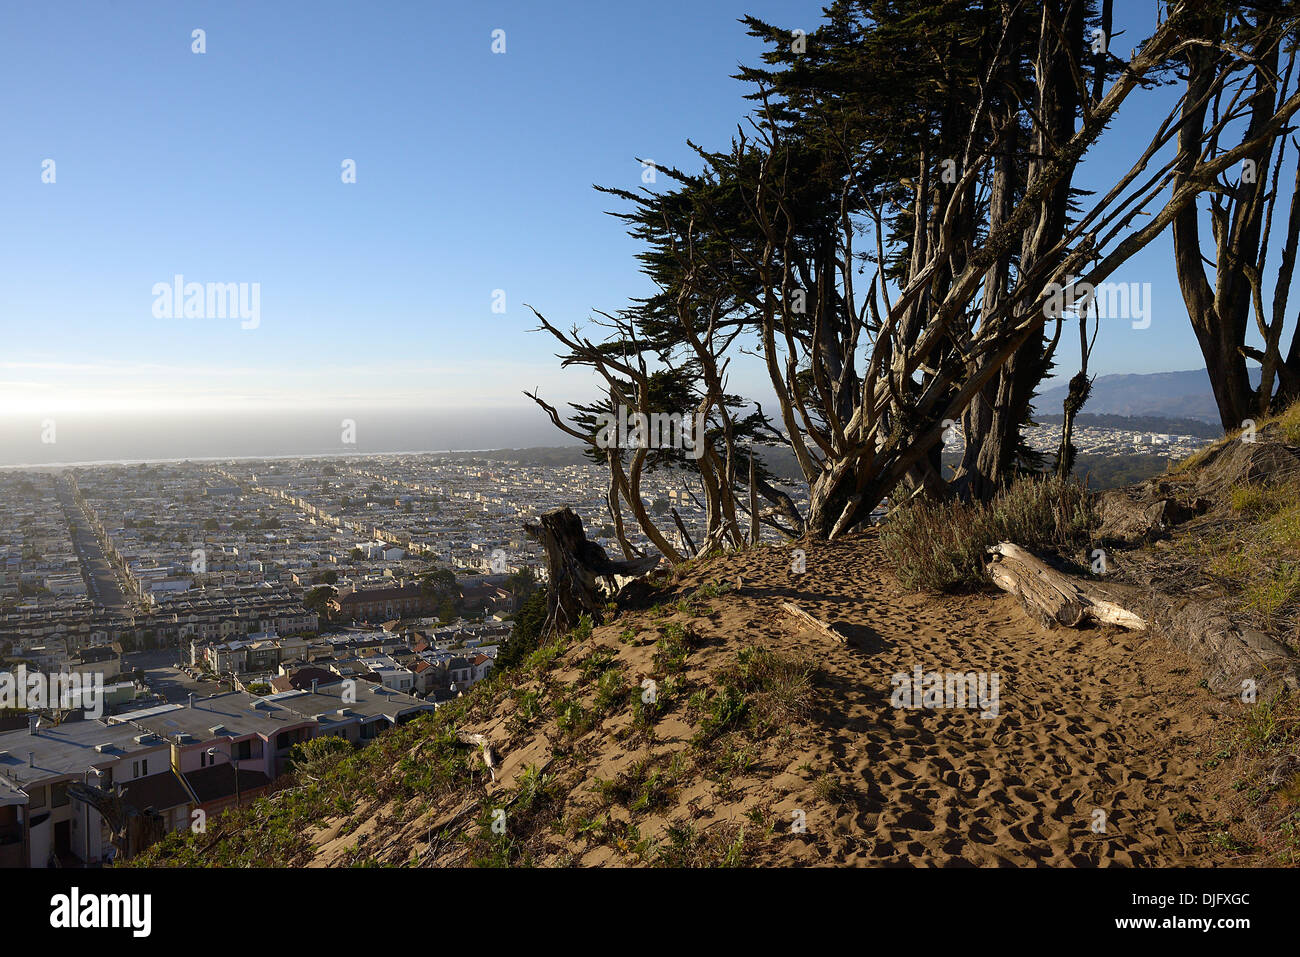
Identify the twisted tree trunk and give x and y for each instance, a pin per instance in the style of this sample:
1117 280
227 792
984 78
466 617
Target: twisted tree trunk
582 578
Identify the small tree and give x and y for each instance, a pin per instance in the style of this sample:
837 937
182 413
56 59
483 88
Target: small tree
312 760
526 632
438 582
448 611
522 583
319 600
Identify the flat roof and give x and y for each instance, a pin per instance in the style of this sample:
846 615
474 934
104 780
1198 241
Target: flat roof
67 749
372 701
126 717
231 710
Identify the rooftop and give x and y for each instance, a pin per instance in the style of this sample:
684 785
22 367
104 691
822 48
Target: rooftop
71 748
371 701
218 781
233 714
158 791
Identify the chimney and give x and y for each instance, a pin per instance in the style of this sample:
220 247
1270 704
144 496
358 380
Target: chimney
31 724
191 704
31 759
314 682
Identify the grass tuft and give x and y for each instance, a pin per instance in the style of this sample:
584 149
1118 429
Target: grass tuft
941 547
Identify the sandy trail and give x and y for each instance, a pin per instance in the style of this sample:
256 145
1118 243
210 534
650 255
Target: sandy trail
1089 721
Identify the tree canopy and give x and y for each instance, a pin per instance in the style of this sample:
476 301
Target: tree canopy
890 231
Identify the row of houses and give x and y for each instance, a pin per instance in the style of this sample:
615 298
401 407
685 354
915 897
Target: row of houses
258 610
161 765
408 600
412 662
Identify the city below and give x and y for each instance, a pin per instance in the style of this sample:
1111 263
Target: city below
239 607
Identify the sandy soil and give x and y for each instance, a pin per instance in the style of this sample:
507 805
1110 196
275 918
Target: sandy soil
1089 723
1092 720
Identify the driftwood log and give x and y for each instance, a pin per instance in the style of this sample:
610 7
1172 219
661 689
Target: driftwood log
582 578
488 752
816 624
1052 597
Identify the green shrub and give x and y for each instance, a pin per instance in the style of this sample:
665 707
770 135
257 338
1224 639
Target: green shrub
611 692
318 756
645 786
674 644
719 846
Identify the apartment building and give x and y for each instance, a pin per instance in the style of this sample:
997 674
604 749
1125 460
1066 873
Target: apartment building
43 819
384 604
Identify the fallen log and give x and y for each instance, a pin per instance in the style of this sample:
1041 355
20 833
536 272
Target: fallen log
480 741
581 577
794 611
1234 657
1054 598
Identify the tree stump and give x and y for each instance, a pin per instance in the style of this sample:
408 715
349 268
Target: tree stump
582 578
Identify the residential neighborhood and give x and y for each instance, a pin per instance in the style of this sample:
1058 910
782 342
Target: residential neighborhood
233 610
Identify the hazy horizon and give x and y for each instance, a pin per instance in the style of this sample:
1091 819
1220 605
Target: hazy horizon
130 437
113 437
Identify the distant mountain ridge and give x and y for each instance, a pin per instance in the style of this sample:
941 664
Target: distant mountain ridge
1184 395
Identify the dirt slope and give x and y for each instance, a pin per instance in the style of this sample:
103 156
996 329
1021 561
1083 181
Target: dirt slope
1088 721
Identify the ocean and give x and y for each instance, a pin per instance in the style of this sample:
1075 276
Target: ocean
82 438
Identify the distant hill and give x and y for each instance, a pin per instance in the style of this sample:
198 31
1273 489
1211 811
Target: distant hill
1184 395
1139 423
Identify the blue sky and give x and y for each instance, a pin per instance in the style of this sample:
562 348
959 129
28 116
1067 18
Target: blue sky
474 173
